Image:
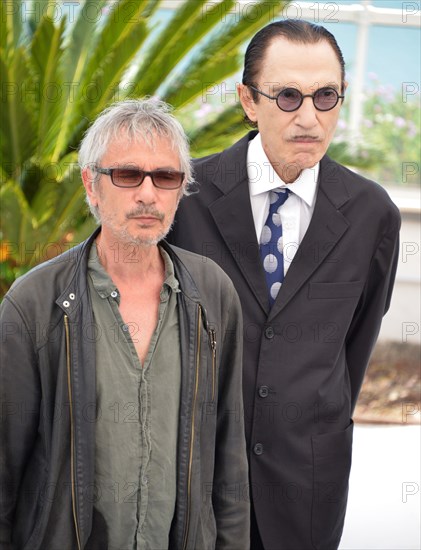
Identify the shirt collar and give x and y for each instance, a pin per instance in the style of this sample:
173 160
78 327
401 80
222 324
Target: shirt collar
105 286
101 281
263 178
170 279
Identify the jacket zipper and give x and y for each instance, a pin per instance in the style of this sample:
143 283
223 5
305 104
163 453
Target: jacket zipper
212 339
192 433
72 445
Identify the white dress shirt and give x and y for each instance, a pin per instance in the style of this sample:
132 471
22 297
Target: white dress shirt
297 211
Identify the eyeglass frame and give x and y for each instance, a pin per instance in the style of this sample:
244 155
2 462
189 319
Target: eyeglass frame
146 173
303 96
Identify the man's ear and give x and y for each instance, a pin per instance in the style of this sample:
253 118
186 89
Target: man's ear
247 101
88 178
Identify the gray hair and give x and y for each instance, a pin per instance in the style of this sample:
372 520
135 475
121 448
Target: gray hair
140 119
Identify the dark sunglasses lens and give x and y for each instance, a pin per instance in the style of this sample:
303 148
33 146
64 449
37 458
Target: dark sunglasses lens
325 99
167 179
289 99
125 177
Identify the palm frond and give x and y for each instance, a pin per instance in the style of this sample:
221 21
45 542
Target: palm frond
3 28
219 133
150 8
11 11
46 50
18 136
179 35
106 84
17 220
107 78
122 18
205 77
74 60
228 38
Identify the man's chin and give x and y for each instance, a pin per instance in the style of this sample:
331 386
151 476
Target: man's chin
145 239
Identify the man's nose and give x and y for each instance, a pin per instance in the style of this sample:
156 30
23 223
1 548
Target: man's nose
146 191
306 115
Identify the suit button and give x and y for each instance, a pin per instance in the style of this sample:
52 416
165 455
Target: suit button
269 333
258 449
264 391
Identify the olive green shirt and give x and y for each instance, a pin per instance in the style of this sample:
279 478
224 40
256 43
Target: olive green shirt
137 419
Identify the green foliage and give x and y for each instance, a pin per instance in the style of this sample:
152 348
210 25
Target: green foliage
392 127
59 68
390 143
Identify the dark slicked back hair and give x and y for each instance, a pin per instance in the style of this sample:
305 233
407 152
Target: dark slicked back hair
293 30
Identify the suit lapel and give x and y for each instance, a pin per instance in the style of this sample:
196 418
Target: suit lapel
233 217
326 229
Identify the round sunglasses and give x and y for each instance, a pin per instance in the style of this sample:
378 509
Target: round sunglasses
291 99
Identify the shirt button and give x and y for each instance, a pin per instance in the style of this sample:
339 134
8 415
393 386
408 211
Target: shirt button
125 328
114 294
264 391
269 333
258 449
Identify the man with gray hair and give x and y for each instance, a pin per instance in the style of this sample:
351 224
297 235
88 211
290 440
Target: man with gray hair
121 362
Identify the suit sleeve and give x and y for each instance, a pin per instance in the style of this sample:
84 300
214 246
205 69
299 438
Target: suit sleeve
374 303
230 497
20 397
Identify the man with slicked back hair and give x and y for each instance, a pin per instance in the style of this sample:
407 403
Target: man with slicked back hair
312 249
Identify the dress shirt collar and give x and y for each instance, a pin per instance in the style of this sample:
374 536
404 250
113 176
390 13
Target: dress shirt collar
263 178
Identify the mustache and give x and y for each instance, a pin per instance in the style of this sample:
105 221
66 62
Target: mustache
144 209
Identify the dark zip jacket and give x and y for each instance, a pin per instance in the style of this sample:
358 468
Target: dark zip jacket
48 408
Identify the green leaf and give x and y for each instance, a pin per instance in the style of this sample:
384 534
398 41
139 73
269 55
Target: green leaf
219 133
227 40
150 8
123 18
75 58
186 27
17 129
16 219
105 83
3 28
204 79
46 53
109 77
81 38
12 19
65 194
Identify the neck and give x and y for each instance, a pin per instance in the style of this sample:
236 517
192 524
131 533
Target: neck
288 173
128 262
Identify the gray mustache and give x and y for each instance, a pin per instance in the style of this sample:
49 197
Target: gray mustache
148 210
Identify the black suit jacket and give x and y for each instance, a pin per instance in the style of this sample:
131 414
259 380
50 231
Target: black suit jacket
304 359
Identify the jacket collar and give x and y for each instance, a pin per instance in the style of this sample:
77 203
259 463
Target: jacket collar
231 170
69 299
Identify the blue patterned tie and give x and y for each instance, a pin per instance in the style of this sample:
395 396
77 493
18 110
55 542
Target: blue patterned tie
271 244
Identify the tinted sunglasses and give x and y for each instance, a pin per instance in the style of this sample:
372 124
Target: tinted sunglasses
132 177
291 99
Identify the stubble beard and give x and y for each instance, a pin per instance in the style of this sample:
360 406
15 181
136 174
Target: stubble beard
126 237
